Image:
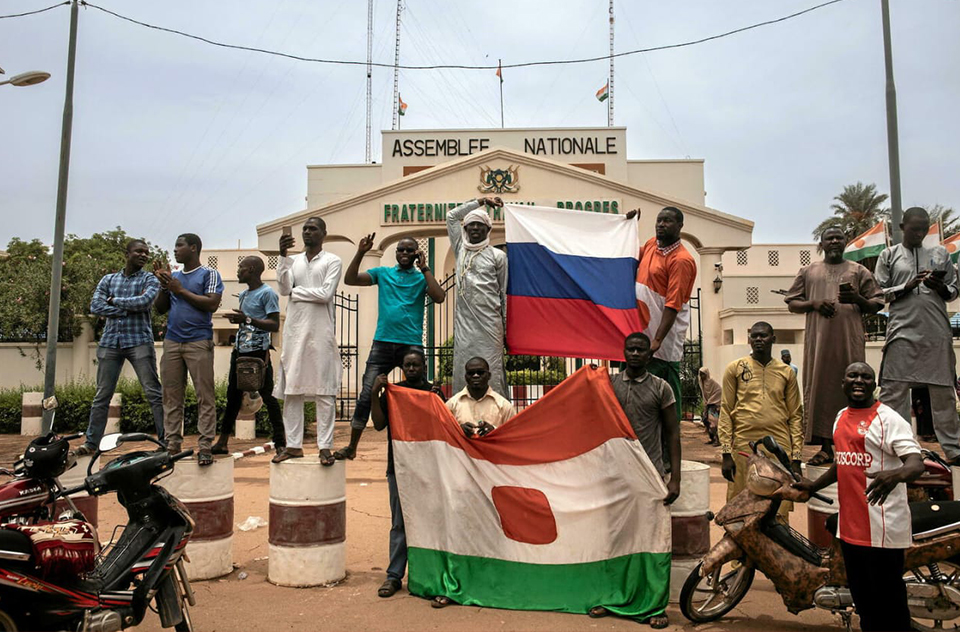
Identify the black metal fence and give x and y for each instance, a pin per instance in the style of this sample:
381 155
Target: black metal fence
347 307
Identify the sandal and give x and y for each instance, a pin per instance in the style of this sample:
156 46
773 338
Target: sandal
204 458
388 588
820 458
287 453
345 453
441 602
326 459
658 621
597 612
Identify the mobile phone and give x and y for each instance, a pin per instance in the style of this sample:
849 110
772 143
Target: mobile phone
939 273
846 286
288 230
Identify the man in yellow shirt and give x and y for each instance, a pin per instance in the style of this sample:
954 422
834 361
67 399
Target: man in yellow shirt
760 397
478 408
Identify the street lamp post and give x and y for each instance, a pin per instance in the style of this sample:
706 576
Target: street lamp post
53 317
893 141
26 78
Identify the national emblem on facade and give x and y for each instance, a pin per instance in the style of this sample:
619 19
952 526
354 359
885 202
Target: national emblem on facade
499 180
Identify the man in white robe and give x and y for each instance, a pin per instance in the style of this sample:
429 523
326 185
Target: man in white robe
480 321
310 365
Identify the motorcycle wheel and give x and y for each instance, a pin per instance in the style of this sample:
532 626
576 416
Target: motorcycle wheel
949 574
186 624
704 599
7 624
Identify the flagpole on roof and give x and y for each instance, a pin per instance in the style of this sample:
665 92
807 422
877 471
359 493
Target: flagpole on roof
396 70
610 84
500 74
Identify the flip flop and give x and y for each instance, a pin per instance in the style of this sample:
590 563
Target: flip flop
440 602
345 453
658 621
598 612
388 588
204 458
820 458
326 459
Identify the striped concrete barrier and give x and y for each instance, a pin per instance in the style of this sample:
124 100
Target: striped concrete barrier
31 415
113 414
690 519
308 516
208 494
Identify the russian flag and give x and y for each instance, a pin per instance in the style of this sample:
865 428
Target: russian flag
571 288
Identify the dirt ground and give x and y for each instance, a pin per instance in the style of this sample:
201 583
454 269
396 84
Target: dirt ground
252 603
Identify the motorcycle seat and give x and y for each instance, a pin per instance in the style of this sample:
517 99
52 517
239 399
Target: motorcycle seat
928 519
14 544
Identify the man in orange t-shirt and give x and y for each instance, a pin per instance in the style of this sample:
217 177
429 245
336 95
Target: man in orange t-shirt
665 280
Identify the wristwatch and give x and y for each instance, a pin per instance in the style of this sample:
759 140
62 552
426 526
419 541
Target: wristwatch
248 320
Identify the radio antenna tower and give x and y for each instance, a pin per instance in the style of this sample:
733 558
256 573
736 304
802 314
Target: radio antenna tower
369 76
396 70
610 89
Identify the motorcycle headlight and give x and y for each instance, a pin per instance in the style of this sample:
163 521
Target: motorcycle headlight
761 485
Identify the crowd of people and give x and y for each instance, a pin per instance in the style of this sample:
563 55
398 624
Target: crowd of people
758 395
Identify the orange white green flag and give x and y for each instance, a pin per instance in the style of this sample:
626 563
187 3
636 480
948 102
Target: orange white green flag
869 244
952 244
603 92
401 106
933 237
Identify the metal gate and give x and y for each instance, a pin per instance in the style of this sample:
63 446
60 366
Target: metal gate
691 362
346 310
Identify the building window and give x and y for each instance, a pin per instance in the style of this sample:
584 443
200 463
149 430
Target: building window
272 262
212 262
741 257
728 336
804 257
773 258
753 295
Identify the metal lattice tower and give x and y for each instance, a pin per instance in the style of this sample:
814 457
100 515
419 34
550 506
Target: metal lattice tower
610 89
396 70
369 77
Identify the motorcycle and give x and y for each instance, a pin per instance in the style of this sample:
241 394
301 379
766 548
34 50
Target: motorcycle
807 576
936 482
53 575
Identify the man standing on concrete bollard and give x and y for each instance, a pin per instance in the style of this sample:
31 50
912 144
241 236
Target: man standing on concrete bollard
480 318
310 364
834 294
918 282
414 376
402 289
259 314
190 295
124 300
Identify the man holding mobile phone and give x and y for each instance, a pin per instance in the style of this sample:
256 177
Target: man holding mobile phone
834 294
918 282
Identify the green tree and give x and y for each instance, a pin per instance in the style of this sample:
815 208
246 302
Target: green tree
855 210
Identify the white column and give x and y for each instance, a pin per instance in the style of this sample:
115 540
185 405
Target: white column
710 305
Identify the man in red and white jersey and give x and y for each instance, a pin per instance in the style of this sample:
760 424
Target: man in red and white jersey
875 455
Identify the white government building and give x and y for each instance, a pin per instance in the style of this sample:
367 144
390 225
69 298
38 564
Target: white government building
424 173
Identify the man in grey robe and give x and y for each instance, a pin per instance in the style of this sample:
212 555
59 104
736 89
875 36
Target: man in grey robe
918 282
480 321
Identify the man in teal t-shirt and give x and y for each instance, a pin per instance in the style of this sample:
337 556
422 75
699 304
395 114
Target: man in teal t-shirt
399 319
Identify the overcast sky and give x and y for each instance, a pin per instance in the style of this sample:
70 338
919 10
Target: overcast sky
173 135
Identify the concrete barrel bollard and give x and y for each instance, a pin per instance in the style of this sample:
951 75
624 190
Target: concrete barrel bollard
246 427
308 518
31 415
85 503
955 471
690 519
818 511
208 494
113 414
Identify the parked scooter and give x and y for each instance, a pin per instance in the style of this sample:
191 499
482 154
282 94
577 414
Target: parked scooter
805 575
936 482
53 575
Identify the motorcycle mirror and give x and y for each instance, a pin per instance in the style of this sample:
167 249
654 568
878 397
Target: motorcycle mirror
774 448
110 441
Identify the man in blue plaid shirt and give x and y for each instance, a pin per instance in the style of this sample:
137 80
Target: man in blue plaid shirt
124 299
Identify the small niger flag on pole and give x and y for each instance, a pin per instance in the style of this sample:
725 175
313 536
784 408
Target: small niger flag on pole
603 92
500 71
401 106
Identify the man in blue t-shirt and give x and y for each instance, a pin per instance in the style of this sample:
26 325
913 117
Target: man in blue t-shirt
400 303
258 316
190 295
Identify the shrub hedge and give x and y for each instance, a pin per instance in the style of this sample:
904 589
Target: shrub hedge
74 399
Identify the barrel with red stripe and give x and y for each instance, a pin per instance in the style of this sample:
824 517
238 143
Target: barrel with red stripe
818 511
208 494
690 518
308 519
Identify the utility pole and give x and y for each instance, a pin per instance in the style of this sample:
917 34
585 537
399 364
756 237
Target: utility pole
610 89
369 76
53 316
893 140
396 70
500 76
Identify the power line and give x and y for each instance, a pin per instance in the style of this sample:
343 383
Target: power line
21 15
559 62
